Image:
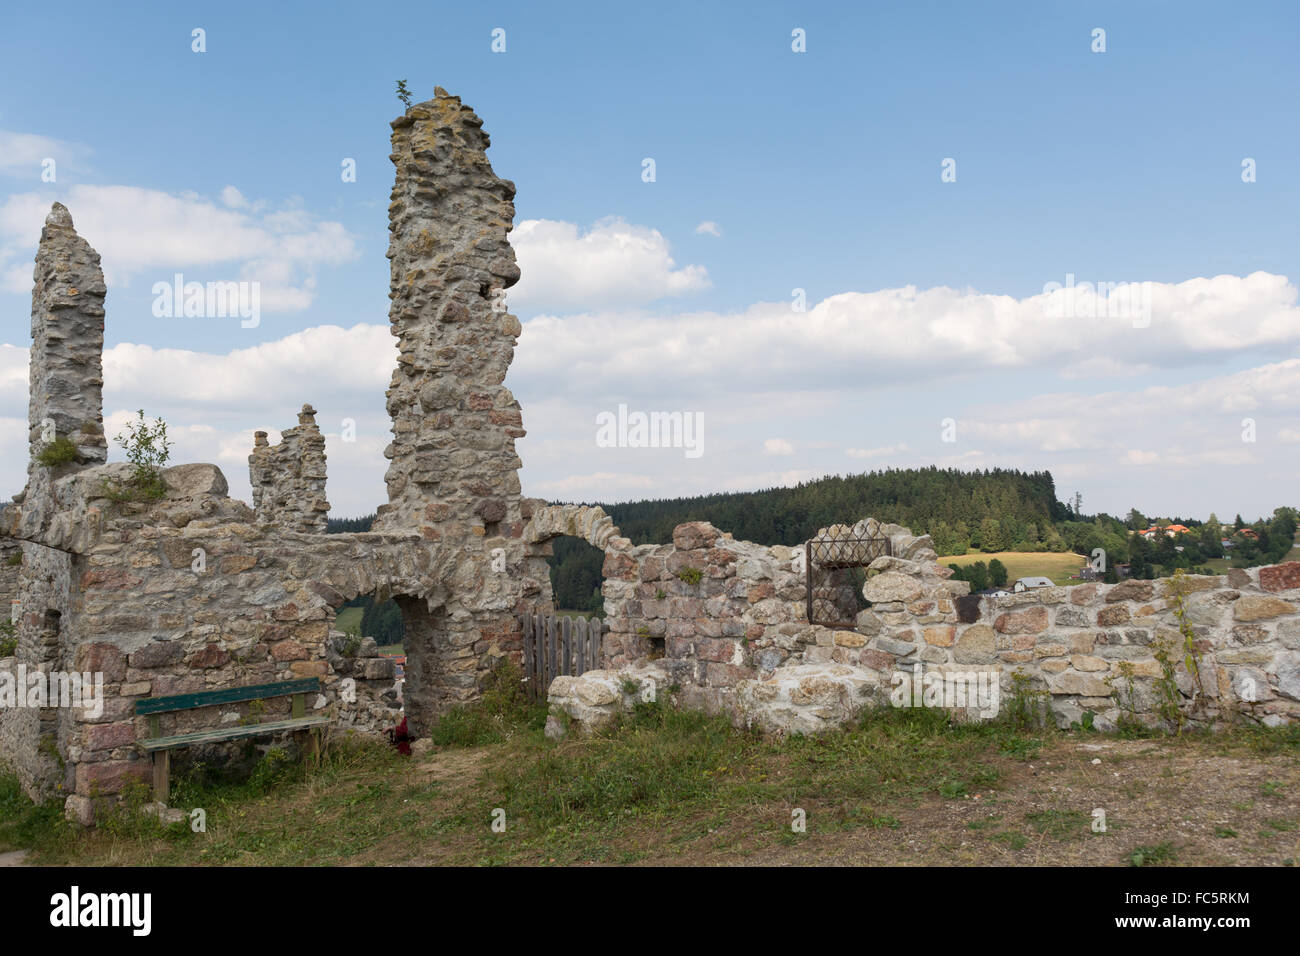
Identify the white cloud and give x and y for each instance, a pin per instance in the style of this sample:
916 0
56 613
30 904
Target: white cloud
213 403
777 446
613 264
22 154
882 452
1135 456
151 234
881 339
357 362
708 228
769 479
1174 431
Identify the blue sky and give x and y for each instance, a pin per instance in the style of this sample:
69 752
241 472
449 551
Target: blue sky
819 170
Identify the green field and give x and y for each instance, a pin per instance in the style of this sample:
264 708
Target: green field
349 620
1026 564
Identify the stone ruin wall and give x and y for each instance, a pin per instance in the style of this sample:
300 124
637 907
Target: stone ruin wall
739 642
288 479
11 556
453 472
198 591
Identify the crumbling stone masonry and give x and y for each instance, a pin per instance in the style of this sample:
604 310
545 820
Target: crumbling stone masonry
196 590
725 623
199 591
289 479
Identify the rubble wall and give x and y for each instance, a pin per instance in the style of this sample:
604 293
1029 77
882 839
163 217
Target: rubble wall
725 624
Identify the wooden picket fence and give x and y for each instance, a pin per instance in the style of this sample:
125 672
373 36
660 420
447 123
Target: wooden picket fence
555 645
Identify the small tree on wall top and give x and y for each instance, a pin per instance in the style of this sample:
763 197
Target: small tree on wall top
147 450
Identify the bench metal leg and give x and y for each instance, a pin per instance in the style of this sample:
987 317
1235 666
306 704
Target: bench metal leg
162 766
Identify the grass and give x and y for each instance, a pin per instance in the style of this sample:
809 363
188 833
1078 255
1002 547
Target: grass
669 785
1023 564
348 620
1155 855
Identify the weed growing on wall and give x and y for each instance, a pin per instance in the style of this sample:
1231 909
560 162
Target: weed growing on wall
147 450
61 451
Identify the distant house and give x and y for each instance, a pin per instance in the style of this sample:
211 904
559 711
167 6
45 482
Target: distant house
1029 584
994 592
1169 532
1249 533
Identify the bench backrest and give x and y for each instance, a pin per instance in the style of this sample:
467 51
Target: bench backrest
230 695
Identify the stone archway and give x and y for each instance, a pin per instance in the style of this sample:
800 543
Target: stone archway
586 522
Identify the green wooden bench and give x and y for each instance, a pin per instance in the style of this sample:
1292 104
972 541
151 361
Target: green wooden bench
161 747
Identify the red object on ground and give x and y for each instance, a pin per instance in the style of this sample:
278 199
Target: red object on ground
400 738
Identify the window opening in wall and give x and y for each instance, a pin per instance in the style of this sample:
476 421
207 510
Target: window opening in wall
835 572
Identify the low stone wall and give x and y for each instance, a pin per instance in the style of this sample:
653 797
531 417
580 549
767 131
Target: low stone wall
724 623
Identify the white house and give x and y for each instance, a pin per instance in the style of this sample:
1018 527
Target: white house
1029 584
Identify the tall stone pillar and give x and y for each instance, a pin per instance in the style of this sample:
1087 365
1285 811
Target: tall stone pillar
453 475
66 373
453 462
66 364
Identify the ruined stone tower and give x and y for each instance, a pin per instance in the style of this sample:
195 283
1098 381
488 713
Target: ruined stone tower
66 381
194 590
66 365
288 479
453 471
454 468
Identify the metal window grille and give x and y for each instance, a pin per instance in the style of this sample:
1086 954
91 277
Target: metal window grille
836 570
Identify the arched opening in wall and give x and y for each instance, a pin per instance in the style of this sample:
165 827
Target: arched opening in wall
438 673
577 579
368 648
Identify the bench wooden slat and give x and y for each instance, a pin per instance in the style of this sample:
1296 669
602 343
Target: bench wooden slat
230 695
240 732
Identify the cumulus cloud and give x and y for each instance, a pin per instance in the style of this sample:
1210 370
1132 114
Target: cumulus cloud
151 235
708 228
613 264
356 362
213 403
1227 420
803 374
879 339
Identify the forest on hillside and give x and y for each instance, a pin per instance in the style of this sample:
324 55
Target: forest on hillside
963 511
